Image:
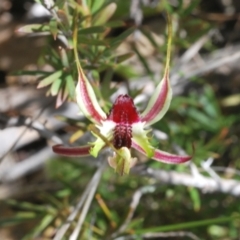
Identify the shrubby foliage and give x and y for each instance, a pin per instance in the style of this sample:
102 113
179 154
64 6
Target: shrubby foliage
137 205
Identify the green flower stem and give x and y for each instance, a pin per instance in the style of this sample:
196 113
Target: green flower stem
186 225
169 45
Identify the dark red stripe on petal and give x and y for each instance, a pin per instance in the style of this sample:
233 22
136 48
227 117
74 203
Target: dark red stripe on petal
169 158
72 151
159 104
87 100
162 156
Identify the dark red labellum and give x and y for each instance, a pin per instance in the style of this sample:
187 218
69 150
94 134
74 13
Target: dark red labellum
124 114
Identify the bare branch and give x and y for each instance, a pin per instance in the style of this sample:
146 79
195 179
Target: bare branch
207 184
24 131
132 208
21 120
20 169
228 55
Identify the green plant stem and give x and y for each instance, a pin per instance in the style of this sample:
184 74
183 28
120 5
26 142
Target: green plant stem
169 44
181 226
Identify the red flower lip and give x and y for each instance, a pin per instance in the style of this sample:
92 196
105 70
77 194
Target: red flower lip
124 114
124 111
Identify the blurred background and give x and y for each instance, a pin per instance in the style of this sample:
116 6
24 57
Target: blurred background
123 49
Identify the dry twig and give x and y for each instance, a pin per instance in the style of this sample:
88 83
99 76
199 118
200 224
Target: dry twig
207 184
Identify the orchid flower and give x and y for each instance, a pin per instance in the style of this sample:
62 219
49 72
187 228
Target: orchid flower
123 127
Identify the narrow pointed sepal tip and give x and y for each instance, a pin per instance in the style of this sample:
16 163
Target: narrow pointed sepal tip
169 158
87 100
72 151
159 102
162 156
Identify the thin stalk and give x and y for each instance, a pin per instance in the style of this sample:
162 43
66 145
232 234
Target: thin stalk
61 232
169 45
77 230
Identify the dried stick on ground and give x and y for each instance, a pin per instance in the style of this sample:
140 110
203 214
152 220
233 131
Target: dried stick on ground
15 171
21 120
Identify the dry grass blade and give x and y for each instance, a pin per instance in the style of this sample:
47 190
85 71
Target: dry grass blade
77 230
85 198
208 63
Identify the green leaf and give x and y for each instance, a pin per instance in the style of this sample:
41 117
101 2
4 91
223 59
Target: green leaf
186 225
209 102
52 57
115 23
126 71
46 221
64 57
136 223
202 118
18 218
166 6
92 30
194 194
32 28
123 57
96 5
118 40
55 87
50 79
105 14
62 96
179 101
53 28
60 3
91 41
28 206
180 5
70 86
63 193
